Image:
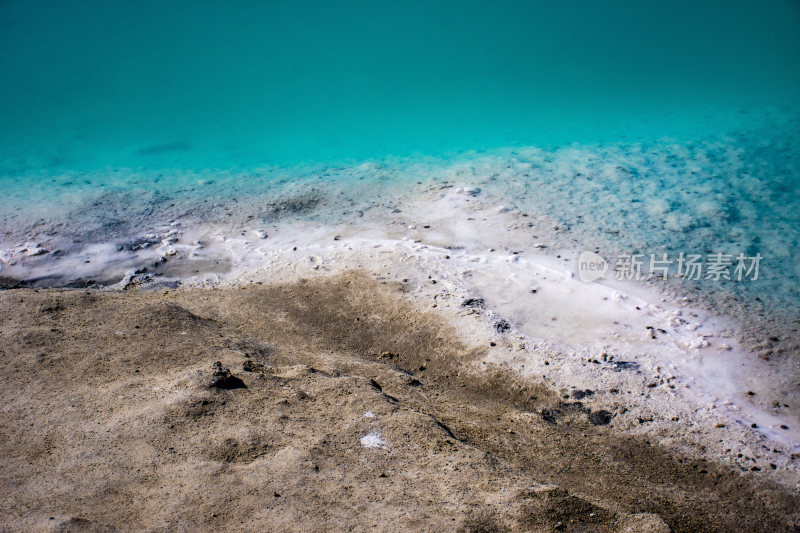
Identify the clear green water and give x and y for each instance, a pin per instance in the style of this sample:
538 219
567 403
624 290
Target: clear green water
192 85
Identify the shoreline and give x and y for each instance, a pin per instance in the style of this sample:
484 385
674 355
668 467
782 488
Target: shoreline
450 244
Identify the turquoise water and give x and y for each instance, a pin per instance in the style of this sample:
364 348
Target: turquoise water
641 126
191 85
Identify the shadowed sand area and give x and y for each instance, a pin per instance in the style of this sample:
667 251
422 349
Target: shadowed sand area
111 420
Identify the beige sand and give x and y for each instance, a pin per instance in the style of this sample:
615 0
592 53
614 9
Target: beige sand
109 421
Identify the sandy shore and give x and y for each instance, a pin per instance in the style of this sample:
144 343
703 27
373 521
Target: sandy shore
346 407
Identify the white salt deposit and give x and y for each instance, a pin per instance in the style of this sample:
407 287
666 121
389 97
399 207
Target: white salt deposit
373 440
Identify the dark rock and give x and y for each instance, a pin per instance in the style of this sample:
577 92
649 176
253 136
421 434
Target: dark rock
475 303
581 394
251 366
223 379
574 406
565 410
502 325
550 415
619 366
600 418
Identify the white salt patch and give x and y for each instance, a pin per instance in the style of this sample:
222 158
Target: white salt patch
373 440
369 414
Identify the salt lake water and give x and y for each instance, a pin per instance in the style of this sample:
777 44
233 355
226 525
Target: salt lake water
95 84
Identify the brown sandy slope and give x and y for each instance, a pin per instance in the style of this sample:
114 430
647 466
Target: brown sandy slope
109 422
